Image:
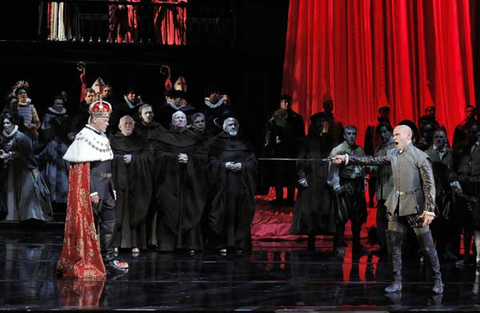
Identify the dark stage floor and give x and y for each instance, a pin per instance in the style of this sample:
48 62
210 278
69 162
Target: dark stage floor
276 277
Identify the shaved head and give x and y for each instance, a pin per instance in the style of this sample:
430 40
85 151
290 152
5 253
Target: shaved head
402 136
404 128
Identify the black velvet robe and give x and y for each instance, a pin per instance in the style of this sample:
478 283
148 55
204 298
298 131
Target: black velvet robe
181 193
150 132
232 194
313 212
134 188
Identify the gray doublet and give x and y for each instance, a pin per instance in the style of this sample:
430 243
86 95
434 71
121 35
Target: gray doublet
414 185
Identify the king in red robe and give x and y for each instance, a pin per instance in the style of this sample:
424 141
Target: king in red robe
90 190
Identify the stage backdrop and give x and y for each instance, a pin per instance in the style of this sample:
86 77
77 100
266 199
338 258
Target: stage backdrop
364 53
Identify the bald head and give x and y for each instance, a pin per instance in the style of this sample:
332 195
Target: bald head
402 136
404 129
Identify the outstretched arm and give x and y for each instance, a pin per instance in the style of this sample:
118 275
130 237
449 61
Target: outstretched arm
362 160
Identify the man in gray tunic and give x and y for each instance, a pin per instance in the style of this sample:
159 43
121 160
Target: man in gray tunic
348 184
411 202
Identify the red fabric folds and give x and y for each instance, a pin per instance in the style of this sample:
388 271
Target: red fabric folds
81 252
123 22
170 22
363 54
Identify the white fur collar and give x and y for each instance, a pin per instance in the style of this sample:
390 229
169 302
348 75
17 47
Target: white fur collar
89 146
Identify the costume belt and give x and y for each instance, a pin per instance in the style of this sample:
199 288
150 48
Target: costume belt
401 193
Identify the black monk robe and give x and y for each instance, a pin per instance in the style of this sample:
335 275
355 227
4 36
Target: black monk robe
133 183
181 192
232 193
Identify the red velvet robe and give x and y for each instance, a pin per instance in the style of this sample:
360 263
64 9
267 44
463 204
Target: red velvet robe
81 255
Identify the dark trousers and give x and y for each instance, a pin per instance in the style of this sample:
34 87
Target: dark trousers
351 205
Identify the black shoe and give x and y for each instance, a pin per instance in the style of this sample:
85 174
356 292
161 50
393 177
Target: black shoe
113 268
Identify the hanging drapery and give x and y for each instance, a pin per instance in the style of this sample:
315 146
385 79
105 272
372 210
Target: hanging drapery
170 21
123 22
363 54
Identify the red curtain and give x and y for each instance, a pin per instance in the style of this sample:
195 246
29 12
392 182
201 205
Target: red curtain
363 54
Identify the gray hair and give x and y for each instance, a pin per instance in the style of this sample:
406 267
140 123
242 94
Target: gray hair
230 119
126 117
197 115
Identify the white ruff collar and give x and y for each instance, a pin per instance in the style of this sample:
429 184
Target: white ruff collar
14 131
52 110
89 146
213 105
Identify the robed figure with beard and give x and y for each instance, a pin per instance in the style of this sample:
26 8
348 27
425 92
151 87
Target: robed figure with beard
232 172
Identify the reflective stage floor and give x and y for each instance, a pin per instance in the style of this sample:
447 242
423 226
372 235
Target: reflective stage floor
277 277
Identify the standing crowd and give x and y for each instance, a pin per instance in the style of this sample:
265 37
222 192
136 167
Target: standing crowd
179 183
184 178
